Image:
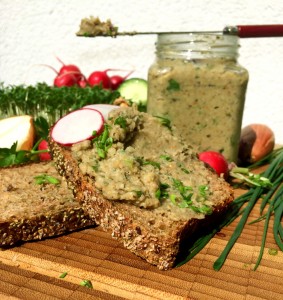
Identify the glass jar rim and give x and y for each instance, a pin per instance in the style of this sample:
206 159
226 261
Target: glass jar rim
197 45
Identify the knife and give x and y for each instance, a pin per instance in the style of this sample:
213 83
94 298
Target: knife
242 31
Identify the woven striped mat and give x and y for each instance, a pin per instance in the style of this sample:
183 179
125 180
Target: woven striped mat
32 270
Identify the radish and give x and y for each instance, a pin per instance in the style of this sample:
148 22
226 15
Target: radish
104 109
77 126
99 78
107 82
43 145
65 80
71 69
216 161
68 75
117 80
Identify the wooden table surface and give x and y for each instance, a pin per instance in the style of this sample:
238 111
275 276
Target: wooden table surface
32 270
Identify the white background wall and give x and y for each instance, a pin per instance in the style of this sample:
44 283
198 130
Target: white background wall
34 32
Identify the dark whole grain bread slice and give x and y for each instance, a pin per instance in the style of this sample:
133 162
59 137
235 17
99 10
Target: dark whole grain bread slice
155 234
32 211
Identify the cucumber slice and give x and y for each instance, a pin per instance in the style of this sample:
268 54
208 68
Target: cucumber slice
135 90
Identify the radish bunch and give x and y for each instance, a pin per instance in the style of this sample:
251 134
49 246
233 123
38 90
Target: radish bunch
71 75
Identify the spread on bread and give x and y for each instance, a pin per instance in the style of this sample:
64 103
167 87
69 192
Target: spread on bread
145 165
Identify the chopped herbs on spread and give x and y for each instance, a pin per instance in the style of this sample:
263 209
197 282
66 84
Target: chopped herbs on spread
131 161
173 85
166 157
162 193
45 179
143 162
121 121
185 170
103 142
164 121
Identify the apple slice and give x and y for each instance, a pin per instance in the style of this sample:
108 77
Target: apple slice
18 129
103 108
77 126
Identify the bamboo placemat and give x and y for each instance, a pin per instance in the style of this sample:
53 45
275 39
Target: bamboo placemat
32 270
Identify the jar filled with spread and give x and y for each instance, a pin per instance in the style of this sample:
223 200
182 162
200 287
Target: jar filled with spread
197 83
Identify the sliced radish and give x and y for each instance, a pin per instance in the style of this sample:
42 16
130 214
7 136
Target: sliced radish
77 126
104 109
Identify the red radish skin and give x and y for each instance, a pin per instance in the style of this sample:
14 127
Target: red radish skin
216 161
117 80
99 78
43 145
104 109
69 75
71 69
77 126
65 80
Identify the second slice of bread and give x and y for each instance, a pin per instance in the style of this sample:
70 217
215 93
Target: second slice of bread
154 233
33 211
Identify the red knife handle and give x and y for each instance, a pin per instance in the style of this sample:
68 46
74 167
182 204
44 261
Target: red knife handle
247 31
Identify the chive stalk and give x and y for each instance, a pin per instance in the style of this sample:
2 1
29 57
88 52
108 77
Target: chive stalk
273 197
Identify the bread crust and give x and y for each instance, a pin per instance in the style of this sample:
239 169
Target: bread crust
119 218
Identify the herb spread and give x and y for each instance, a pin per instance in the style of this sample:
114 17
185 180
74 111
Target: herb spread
204 99
197 83
138 159
91 27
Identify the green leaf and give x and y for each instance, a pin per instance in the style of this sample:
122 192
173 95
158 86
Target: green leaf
10 156
45 179
41 127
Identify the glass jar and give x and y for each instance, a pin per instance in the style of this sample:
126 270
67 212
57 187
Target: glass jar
198 85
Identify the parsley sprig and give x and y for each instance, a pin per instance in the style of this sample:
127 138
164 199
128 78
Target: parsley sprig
12 156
